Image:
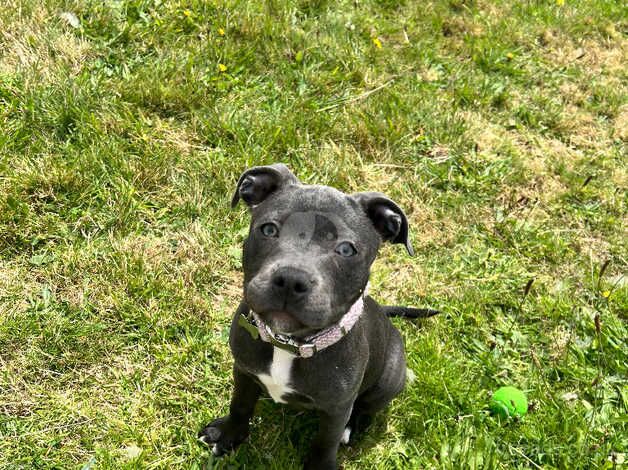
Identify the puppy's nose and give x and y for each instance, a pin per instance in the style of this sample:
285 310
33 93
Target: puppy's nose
292 283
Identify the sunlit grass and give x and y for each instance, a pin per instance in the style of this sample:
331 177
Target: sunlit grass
500 127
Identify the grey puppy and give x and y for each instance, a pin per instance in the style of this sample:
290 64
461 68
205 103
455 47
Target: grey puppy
306 331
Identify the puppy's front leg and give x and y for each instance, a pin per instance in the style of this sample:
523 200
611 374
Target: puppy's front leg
228 432
324 448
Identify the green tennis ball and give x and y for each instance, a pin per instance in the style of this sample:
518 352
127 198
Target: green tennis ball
509 401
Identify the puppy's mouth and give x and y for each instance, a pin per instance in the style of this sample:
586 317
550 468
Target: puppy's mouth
283 323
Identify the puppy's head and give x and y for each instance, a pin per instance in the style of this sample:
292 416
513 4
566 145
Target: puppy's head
309 250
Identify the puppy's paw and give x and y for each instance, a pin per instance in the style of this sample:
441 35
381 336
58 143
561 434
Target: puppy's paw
223 435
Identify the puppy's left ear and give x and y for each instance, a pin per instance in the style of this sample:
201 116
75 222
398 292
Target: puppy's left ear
387 218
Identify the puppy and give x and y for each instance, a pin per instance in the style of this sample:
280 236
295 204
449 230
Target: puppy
306 332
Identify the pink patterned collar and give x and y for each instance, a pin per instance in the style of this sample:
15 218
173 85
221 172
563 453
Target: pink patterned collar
310 345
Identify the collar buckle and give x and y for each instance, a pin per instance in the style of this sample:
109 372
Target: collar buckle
307 350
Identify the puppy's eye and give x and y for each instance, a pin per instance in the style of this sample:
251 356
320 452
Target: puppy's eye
346 249
270 230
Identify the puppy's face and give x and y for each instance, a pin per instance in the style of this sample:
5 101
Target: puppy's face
308 254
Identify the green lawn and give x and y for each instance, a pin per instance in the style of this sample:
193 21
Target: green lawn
499 126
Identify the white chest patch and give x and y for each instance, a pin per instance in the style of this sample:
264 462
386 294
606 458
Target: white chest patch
278 381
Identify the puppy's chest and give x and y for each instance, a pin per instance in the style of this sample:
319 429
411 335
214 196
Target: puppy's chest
279 380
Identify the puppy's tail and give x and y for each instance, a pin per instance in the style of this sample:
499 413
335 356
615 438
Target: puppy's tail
408 312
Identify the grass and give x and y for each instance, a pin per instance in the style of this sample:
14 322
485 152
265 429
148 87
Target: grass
499 126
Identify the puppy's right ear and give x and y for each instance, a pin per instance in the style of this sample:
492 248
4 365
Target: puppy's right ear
259 182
